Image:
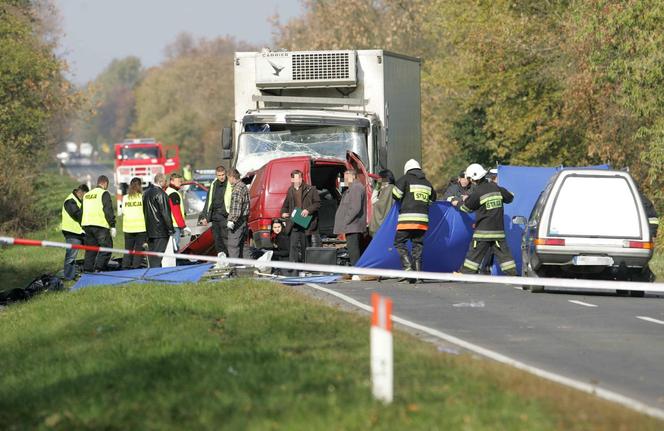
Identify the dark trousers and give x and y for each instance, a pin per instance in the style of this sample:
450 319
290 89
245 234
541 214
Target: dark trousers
158 245
220 232
97 236
133 241
298 244
416 237
236 238
70 255
478 250
353 245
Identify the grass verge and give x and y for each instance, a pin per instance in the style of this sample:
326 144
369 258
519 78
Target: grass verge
20 265
246 354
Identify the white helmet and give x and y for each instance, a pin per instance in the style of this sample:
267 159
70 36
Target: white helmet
411 164
475 172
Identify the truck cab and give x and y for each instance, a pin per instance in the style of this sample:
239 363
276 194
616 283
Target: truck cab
143 158
323 104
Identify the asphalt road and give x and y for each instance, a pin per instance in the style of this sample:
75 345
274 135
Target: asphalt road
91 171
616 343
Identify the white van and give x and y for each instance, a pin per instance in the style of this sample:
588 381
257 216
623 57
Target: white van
588 222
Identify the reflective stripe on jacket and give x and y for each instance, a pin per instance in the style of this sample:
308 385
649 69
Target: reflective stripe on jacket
416 194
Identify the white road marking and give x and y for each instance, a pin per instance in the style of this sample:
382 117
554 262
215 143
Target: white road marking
585 304
576 384
650 319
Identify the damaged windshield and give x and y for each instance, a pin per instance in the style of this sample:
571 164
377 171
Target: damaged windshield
257 148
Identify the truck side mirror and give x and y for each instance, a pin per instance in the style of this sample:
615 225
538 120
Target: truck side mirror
227 143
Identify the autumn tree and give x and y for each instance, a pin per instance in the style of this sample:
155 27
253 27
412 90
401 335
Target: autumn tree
110 111
34 100
188 99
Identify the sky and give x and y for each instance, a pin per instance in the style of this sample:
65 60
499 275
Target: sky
97 31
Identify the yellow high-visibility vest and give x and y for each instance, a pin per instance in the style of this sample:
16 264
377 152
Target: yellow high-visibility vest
169 192
186 174
133 219
227 195
68 223
93 209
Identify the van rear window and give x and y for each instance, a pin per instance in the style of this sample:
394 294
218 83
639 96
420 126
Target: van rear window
595 206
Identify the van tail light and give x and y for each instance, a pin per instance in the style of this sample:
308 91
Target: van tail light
648 245
549 241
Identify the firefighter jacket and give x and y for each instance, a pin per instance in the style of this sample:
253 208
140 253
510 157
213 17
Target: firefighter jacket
487 201
415 193
157 212
98 209
71 216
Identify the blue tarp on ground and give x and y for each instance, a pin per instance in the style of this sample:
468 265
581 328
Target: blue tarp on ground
450 231
445 243
177 274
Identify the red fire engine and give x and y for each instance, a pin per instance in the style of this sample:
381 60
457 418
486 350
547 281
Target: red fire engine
142 158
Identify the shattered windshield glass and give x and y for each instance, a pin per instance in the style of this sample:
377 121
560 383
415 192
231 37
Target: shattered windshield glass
257 148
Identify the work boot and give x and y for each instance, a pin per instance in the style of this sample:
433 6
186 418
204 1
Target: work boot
405 265
418 267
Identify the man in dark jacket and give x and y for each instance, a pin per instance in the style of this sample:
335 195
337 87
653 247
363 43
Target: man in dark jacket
415 193
237 216
217 205
458 190
158 221
98 221
71 227
351 216
300 195
489 237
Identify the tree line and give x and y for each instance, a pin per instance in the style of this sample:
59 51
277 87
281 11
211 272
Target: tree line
35 103
530 82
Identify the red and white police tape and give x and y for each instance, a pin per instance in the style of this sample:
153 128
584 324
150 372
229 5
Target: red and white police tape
375 272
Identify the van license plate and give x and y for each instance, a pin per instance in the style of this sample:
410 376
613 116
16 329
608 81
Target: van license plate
592 260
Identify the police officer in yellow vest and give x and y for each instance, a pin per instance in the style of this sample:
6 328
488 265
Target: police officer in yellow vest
133 224
98 222
71 228
217 205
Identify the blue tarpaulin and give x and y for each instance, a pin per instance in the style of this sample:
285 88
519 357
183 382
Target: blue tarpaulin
445 243
450 230
176 274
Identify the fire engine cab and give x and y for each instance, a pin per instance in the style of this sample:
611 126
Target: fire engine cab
143 158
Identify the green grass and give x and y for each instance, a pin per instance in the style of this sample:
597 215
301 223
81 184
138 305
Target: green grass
20 265
252 355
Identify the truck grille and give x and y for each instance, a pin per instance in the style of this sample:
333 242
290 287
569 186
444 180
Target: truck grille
327 65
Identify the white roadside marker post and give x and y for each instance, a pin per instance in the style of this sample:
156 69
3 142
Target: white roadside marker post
381 349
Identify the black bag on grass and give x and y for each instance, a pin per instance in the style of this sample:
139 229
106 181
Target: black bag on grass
43 283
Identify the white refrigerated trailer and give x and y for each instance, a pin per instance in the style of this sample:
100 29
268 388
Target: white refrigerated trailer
322 104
